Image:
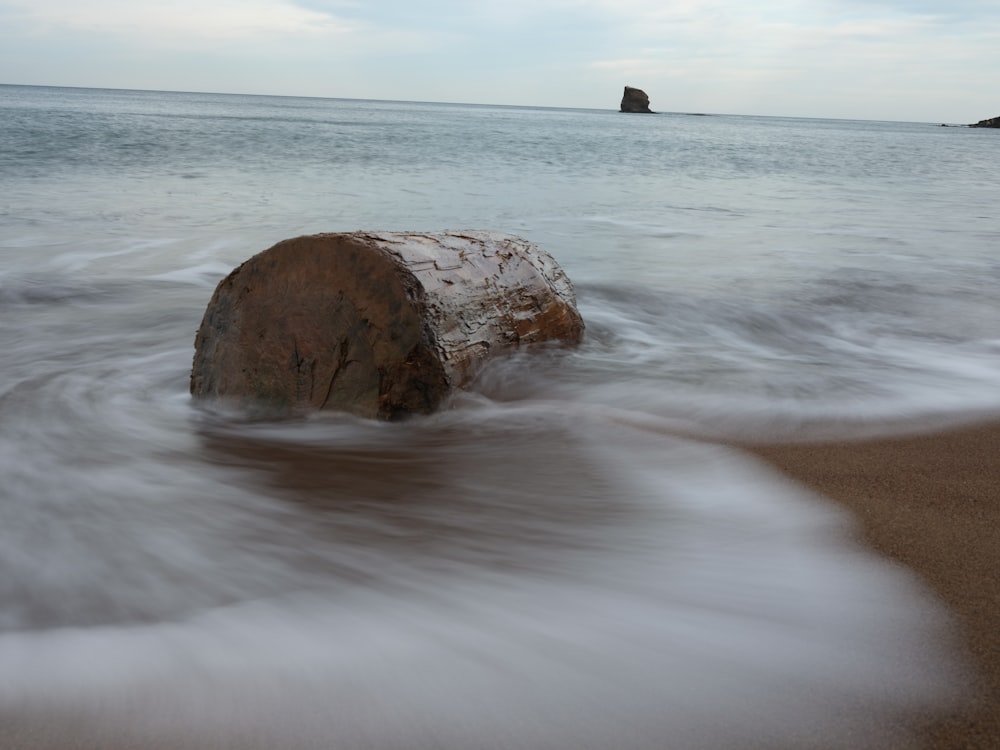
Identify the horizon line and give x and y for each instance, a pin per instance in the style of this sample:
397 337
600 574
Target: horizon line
465 104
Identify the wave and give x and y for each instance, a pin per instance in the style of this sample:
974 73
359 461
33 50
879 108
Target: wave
492 577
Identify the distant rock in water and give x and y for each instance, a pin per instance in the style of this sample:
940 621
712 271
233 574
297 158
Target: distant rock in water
635 100
993 122
379 324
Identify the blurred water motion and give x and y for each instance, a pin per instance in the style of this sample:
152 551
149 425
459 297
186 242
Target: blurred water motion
562 559
491 577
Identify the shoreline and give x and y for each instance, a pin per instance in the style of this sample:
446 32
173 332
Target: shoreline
930 502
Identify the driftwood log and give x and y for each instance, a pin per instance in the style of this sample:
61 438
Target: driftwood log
380 324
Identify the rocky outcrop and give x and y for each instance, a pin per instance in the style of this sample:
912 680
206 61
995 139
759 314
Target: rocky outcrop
635 100
993 122
380 324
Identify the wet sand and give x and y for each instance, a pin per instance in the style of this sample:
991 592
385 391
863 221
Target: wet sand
932 503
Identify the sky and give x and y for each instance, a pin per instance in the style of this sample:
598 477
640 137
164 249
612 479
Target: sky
908 60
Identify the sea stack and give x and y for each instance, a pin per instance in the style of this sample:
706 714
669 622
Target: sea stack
635 100
379 324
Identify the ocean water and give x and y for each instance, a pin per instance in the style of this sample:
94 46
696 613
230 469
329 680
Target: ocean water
572 554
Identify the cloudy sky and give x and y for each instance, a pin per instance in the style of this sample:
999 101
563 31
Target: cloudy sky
917 60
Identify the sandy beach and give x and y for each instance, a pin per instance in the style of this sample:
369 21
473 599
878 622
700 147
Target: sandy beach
931 503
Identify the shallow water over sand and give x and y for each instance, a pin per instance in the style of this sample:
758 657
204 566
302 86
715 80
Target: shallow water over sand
537 575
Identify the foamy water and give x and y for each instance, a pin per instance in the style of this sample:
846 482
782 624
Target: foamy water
536 576
566 556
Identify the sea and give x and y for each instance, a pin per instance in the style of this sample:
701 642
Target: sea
574 552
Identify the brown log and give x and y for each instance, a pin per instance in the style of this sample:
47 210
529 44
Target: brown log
380 324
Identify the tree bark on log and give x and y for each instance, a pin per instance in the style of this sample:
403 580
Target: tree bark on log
380 324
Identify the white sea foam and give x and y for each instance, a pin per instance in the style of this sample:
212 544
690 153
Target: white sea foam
716 603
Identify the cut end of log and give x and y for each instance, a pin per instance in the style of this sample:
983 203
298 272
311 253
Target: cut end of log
379 324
